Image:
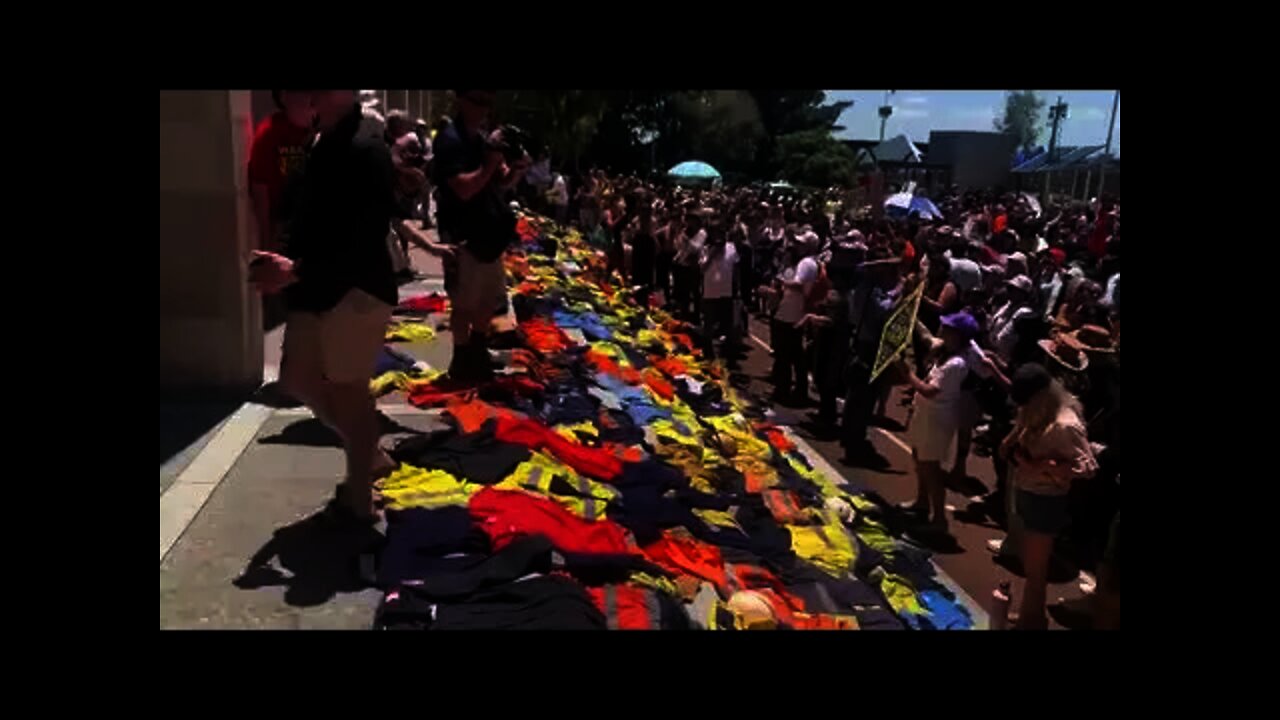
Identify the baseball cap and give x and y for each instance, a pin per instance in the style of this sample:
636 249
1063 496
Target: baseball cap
963 322
1021 282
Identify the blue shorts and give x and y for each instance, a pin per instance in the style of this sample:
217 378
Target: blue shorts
1047 514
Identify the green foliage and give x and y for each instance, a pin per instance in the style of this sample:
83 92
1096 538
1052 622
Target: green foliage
1022 117
739 132
815 158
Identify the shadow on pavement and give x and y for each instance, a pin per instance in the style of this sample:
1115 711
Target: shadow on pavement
968 486
272 395
320 557
310 432
183 423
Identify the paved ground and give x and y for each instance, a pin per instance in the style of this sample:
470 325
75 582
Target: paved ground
243 545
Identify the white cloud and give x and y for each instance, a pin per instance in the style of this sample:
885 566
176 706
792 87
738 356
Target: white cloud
1088 114
910 113
915 100
974 113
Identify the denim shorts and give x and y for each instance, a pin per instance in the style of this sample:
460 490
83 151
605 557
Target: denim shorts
1047 514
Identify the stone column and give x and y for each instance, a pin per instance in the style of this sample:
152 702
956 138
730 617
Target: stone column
210 318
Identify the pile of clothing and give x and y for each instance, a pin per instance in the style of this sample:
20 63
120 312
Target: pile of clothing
611 478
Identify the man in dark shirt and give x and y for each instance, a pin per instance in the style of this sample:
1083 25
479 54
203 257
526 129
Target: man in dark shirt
870 305
339 287
472 215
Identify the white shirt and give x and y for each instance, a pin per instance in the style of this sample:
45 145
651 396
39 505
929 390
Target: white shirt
966 274
717 279
974 358
791 309
943 409
692 249
539 174
1004 335
561 190
1112 296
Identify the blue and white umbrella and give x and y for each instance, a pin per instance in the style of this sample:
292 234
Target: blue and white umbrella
904 204
693 170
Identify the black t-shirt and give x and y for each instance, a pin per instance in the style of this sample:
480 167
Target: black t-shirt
644 252
483 224
346 204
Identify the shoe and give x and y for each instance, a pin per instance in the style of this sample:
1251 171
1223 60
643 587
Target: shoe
912 508
995 546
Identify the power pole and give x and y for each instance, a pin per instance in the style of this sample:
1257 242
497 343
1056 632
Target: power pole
1115 106
1057 114
1106 154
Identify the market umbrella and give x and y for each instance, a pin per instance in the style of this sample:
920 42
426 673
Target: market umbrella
693 170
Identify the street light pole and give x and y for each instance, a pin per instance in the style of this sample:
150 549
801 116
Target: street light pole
885 111
1106 154
1115 106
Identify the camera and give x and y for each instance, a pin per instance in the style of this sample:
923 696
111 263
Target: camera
514 143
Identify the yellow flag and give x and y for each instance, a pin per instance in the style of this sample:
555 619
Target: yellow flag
897 330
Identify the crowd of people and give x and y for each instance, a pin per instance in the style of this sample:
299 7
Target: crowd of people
1017 335
1015 352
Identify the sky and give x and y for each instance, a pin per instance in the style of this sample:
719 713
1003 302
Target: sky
916 112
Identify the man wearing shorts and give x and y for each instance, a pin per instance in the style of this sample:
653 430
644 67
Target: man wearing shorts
339 288
472 216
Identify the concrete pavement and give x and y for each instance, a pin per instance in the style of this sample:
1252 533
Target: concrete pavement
243 542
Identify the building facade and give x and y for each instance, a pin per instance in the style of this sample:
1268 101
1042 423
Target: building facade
977 159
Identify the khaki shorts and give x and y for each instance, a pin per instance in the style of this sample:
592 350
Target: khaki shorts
480 286
340 344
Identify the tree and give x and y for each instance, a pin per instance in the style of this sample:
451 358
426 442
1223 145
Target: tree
565 120
815 158
785 112
1022 118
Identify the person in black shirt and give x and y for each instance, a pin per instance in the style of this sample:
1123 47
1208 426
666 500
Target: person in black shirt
644 251
472 175
339 287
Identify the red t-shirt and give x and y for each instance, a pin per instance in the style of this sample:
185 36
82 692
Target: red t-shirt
1101 231
999 224
278 151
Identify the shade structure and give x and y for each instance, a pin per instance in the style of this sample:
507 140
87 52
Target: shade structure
693 170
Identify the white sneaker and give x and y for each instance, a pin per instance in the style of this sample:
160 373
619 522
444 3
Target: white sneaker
1088 583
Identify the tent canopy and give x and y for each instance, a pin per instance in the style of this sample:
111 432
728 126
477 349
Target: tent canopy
898 149
693 170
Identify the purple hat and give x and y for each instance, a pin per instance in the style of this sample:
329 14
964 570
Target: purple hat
963 322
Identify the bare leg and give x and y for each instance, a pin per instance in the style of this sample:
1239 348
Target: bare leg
303 380
353 408
1106 602
922 495
932 476
1037 548
964 440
